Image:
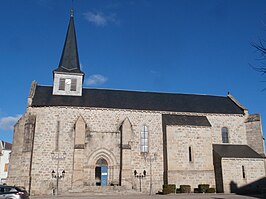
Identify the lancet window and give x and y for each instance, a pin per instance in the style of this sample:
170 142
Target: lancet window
225 135
144 139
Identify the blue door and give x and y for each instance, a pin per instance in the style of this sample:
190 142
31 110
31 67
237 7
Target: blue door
104 175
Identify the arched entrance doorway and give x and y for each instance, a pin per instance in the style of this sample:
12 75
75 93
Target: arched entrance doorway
101 172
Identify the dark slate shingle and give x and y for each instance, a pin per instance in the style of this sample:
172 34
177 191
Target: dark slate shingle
136 100
235 151
185 120
69 61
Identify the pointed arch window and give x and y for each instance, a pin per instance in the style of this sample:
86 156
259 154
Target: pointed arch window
144 139
225 135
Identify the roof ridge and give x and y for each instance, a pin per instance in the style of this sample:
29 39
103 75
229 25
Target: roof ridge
158 92
143 91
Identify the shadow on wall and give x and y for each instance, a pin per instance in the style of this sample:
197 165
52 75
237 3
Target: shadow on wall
256 187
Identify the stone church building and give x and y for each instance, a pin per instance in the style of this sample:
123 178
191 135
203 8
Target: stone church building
76 139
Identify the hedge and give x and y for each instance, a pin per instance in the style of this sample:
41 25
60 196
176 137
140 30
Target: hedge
203 188
169 188
211 190
185 189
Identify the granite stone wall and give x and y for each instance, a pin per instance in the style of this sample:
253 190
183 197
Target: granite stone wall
55 126
20 158
233 177
235 125
74 139
254 133
189 154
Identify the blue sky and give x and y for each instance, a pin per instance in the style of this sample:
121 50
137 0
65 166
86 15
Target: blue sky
180 46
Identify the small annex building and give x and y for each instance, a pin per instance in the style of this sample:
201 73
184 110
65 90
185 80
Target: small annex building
75 139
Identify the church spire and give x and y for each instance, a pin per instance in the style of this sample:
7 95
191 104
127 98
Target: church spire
68 78
69 61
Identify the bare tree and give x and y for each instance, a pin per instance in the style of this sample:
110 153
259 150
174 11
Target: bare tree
261 49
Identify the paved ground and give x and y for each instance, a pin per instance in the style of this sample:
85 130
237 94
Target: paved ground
137 196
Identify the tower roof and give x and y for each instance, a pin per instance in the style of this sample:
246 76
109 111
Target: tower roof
69 61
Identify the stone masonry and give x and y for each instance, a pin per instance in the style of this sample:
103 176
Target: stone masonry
254 133
87 134
233 169
198 170
102 140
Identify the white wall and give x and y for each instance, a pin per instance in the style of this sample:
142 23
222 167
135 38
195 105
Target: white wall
4 159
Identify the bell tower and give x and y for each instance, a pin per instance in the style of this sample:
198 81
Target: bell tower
68 78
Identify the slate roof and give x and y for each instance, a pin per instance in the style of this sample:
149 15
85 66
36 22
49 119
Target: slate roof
136 100
185 120
235 151
69 61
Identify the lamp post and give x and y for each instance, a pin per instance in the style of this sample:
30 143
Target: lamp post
140 176
56 155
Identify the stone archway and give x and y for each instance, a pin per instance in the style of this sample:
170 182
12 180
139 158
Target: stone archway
102 168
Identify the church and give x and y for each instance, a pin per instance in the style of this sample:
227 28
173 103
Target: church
73 139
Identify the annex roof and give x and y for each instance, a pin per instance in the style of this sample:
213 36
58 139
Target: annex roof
137 100
235 151
187 120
